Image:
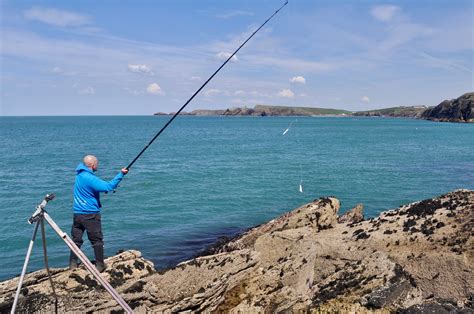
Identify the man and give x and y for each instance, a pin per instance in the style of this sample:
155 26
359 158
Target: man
87 208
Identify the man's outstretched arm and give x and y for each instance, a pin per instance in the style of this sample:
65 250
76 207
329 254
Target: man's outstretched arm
106 186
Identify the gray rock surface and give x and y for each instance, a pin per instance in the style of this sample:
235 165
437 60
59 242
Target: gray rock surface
416 258
456 110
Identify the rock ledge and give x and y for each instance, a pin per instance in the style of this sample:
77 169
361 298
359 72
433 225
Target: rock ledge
417 258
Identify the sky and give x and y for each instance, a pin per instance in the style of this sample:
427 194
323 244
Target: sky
139 57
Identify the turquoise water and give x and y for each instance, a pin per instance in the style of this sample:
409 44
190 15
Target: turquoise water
212 176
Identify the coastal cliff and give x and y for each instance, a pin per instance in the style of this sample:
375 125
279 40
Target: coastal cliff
417 258
396 112
456 110
264 110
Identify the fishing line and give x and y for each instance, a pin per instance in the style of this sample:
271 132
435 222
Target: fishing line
301 189
202 86
288 128
301 179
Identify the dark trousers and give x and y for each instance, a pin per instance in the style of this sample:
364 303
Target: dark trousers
92 224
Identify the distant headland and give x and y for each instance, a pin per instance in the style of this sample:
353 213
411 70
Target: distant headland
455 110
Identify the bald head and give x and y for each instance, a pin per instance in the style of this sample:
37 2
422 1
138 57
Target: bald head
91 162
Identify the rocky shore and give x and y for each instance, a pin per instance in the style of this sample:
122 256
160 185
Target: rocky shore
455 110
415 259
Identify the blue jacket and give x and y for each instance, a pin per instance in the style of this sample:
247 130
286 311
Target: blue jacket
87 189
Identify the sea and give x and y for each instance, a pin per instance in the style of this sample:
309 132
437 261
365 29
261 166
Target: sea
209 177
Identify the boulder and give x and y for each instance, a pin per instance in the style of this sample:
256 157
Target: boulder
352 216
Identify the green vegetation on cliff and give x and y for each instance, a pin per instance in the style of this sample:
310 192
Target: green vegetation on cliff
297 111
402 111
266 110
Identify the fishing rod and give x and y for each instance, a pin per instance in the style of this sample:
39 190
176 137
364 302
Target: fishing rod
200 88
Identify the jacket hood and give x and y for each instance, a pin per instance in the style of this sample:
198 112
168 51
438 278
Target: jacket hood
81 167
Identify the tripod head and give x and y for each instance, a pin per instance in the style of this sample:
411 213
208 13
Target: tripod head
40 208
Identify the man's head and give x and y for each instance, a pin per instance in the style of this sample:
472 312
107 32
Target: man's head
91 162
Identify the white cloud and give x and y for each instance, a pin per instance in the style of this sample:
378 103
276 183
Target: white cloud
212 92
57 70
235 13
140 68
384 13
86 91
239 92
287 93
365 99
154 88
298 79
196 78
222 56
56 17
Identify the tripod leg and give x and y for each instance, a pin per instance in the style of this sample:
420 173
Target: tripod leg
45 254
25 265
73 247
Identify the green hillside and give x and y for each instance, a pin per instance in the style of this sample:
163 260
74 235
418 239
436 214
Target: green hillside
286 110
402 111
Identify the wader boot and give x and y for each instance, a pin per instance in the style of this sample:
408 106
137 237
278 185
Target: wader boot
99 256
73 261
